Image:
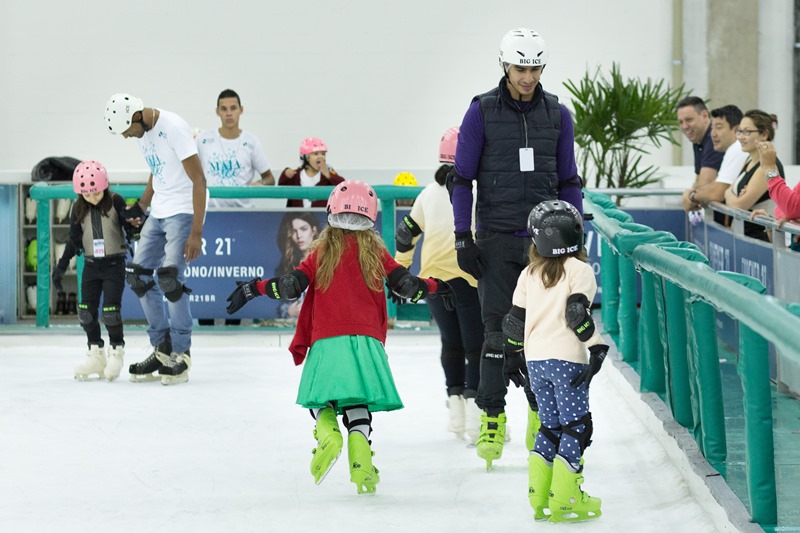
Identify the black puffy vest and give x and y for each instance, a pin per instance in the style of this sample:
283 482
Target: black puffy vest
506 195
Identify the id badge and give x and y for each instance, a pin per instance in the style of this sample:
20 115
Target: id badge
99 246
525 159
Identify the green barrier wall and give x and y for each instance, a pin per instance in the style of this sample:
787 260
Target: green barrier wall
673 336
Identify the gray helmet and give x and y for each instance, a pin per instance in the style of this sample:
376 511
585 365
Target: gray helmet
556 228
120 109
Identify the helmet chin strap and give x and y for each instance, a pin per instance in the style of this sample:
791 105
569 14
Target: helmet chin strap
145 127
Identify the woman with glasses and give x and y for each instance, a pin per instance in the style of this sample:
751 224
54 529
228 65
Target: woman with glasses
749 189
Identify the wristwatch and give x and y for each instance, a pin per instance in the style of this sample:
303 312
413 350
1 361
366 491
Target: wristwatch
773 173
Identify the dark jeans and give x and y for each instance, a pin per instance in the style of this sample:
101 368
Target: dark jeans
106 278
503 257
461 331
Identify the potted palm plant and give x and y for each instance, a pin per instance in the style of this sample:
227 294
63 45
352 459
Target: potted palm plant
617 122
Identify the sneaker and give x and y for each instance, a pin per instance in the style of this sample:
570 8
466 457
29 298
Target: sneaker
176 369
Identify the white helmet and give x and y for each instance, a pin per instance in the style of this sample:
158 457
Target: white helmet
119 111
522 47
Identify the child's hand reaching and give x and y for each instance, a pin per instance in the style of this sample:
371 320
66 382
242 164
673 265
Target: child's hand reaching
244 292
445 292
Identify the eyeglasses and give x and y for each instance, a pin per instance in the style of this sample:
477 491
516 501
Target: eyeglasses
746 133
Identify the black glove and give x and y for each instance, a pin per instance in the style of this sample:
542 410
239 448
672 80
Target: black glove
597 355
445 292
514 367
133 211
58 276
243 293
396 298
468 255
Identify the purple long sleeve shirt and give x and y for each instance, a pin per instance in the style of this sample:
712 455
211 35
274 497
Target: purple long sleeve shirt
468 156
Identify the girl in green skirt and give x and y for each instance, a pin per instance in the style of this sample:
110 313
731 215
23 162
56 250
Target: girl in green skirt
342 327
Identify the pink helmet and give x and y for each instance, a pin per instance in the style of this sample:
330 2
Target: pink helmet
312 144
353 196
447 147
89 176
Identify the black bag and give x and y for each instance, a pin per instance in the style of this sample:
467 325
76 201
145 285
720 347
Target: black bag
54 169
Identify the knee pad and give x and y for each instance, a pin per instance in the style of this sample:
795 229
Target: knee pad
357 416
551 435
112 315
169 284
85 316
137 284
494 341
584 437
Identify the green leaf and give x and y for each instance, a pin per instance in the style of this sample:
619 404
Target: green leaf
617 121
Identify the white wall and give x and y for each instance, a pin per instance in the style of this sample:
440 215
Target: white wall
378 81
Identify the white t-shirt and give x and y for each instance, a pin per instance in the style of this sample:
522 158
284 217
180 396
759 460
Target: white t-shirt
732 163
308 181
231 163
164 148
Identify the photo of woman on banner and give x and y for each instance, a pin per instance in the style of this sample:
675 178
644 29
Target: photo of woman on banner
296 233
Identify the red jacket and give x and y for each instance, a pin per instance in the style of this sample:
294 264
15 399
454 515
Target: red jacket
787 201
333 179
347 307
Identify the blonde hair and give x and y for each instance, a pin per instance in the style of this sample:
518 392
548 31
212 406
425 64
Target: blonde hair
331 245
551 269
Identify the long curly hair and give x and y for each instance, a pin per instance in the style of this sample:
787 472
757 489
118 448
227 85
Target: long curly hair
333 242
291 255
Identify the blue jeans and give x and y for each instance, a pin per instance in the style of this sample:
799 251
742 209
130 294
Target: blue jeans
161 244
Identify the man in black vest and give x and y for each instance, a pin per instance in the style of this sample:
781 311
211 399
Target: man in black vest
516 144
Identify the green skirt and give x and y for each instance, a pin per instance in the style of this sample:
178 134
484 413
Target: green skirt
348 370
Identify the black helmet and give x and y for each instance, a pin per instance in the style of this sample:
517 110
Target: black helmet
556 228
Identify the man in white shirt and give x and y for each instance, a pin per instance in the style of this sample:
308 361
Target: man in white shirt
230 156
171 236
724 121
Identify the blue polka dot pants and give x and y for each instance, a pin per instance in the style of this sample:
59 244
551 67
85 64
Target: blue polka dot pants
559 404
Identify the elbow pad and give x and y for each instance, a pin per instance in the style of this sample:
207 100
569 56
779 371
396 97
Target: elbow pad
404 284
453 180
405 233
579 319
287 287
514 329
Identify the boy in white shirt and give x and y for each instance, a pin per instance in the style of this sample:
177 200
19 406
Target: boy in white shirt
171 236
230 156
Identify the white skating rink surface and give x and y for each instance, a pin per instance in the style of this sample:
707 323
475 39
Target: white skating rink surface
229 451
